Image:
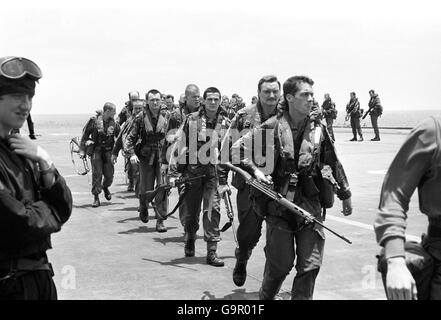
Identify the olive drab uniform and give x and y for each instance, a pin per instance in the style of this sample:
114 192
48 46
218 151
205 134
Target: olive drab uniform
250 223
303 157
103 134
200 133
375 113
353 110
330 113
146 139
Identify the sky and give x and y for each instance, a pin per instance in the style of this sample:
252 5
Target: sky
92 52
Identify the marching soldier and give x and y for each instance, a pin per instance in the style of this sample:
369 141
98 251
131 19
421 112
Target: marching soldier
305 167
250 222
330 113
126 112
145 145
97 141
121 144
202 130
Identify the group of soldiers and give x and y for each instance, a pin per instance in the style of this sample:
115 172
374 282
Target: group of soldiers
294 168
159 141
354 113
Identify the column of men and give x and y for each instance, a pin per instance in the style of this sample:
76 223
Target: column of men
201 130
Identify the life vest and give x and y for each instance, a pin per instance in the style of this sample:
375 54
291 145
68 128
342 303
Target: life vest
102 136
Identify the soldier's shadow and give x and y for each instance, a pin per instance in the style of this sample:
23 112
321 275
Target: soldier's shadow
237 294
241 294
129 219
126 209
143 229
103 204
125 195
180 239
177 262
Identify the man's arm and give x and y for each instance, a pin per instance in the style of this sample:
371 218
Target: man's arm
87 131
21 223
410 164
133 134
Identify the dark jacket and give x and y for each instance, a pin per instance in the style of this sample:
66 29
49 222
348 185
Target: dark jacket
282 157
375 106
353 108
102 133
29 214
328 109
146 137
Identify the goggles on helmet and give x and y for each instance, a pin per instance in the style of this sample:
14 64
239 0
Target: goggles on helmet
18 67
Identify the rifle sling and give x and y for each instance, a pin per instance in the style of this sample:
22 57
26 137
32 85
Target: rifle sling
180 201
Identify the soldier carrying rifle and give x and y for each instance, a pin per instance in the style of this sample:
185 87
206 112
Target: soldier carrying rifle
354 112
306 172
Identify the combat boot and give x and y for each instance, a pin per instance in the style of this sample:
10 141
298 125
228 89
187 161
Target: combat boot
189 245
160 226
213 260
375 139
107 194
240 273
144 214
353 139
96 201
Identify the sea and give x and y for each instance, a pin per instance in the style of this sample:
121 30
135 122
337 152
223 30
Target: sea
66 126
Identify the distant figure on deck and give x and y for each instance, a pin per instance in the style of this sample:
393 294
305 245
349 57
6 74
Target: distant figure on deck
375 111
330 113
354 112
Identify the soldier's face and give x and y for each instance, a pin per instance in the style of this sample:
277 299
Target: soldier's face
154 102
109 113
169 103
212 102
14 110
137 108
303 99
193 99
269 94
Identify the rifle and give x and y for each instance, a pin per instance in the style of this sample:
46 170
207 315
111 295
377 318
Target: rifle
348 113
230 214
165 187
367 112
281 200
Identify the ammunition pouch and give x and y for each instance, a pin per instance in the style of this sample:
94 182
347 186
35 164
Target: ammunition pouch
420 264
308 184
